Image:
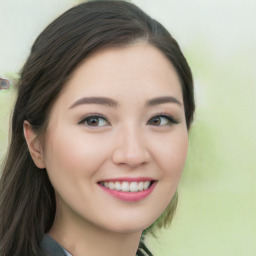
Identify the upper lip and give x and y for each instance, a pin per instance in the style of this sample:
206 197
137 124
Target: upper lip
129 179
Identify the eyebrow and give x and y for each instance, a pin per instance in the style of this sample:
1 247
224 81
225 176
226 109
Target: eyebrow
112 103
95 100
162 100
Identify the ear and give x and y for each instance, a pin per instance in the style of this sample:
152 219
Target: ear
34 145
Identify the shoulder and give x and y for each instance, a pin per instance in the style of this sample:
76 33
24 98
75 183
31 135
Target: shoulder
50 247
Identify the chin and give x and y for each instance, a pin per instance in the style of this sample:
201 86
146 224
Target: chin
128 226
127 229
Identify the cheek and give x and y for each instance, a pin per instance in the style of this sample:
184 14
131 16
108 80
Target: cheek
171 154
72 156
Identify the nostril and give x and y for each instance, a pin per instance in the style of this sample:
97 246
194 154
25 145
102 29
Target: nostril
132 158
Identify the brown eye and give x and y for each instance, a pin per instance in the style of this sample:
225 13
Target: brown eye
155 121
95 121
162 120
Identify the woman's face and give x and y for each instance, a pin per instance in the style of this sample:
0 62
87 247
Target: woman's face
117 140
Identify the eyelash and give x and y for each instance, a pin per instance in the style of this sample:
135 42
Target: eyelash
170 119
96 116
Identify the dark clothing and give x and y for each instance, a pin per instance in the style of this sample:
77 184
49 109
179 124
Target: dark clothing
50 247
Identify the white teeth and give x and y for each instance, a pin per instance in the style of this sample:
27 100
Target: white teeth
111 185
140 187
118 186
126 186
146 184
134 187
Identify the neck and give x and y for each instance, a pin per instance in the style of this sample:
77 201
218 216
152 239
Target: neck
80 237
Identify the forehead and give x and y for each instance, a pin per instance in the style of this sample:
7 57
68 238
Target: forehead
139 70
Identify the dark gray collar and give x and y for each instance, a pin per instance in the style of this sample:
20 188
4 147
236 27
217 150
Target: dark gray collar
50 247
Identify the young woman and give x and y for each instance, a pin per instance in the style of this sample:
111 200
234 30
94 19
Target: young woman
99 135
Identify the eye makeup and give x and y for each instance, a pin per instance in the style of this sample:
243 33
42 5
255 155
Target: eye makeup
98 120
95 120
162 120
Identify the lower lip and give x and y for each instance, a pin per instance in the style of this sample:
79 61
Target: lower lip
129 196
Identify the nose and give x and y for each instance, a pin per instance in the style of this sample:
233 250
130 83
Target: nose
130 148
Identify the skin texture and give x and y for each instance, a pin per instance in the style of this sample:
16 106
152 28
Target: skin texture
125 143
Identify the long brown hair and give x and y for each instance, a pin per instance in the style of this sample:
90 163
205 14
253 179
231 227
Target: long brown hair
27 203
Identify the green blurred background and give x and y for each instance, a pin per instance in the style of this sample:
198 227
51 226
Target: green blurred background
216 215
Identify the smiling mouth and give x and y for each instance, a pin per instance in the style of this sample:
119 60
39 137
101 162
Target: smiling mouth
127 186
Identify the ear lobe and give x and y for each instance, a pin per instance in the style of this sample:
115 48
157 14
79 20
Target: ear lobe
34 145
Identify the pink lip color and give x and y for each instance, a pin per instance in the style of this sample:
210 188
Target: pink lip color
129 196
